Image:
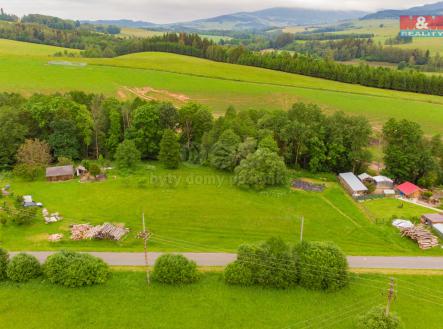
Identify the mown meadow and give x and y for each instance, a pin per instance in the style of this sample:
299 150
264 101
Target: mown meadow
127 302
24 68
199 209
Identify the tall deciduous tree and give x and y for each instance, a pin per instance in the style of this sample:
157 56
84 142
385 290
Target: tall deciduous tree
12 135
127 155
34 152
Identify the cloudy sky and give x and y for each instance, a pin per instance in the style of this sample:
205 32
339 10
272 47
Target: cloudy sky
166 11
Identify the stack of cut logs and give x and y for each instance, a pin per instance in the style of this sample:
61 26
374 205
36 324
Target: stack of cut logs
102 232
421 234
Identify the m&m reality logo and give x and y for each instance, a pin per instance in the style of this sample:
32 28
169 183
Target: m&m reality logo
421 26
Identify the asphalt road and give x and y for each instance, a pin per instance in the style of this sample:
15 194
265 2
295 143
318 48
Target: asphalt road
222 259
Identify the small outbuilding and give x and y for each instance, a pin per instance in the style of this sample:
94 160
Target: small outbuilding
439 229
409 190
352 184
60 173
432 219
383 182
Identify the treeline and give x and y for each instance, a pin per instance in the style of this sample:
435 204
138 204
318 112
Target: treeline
81 126
7 17
100 45
284 39
349 49
51 21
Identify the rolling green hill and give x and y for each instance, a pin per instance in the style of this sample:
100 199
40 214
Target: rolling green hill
24 68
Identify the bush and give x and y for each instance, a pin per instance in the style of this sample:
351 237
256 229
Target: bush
94 169
175 269
269 264
23 216
23 267
64 161
4 260
71 269
238 273
377 319
321 266
28 172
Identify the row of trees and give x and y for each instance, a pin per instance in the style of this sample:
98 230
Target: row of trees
367 49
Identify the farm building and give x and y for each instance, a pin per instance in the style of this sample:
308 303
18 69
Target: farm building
352 184
409 190
439 229
432 219
383 182
365 177
61 173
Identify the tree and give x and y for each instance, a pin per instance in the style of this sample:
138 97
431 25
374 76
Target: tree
169 150
261 169
406 155
194 121
63 140
12 135
269 143
223 155
34 152
146 131
127 155
114 135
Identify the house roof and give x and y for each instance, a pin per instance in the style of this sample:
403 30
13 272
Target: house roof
60 171
408 188
382 179
438 228
353 182
364 176
434 218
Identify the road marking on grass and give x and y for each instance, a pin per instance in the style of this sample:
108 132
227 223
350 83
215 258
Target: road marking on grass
340 211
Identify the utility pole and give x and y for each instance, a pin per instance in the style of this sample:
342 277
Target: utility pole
390 295
301 228
145 235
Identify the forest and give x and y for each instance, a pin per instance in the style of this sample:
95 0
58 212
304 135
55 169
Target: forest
78 126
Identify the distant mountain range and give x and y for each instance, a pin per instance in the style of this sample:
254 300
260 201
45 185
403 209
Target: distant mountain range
431 9
257 20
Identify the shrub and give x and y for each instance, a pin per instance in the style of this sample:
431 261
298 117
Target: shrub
377 319
269 264
28 172
23 267
94 169
73 269
175 269
238 273
4 260
321 266
64 161
24 216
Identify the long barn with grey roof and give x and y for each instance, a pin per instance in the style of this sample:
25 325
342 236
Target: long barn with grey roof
352 184
60 173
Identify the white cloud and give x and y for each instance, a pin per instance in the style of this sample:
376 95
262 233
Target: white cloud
165 11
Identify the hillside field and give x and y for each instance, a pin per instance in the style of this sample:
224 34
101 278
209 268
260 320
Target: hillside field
199 209
24 68
126 302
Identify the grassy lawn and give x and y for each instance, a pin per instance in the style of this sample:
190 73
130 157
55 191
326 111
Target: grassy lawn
198 209
385 209
126 302
217 85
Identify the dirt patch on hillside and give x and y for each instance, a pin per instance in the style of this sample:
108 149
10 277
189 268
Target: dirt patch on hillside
150 94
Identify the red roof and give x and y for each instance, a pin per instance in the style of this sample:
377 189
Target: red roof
408 188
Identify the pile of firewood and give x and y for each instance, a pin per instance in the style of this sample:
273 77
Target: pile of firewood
422 235
101 232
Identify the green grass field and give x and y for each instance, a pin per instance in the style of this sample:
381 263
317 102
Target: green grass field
24 68
198 209
126 302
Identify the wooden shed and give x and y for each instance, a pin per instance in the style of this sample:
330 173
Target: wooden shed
409 190
432 219
61 173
